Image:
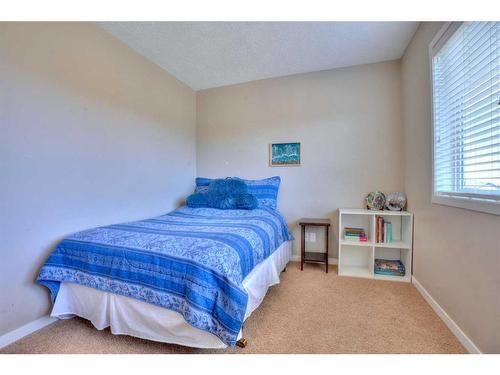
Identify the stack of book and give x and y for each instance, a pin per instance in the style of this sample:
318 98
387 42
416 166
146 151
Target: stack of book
383 230
355 234
389 267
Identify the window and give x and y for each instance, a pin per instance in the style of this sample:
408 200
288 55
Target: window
466 97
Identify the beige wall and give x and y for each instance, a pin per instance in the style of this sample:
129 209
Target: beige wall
348 121
91 134
456 251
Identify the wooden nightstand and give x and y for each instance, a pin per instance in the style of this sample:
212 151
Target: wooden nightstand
308 257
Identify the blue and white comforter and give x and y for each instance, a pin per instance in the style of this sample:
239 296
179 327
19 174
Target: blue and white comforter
192 260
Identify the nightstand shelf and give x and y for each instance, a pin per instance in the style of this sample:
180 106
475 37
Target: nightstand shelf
357 258
315 257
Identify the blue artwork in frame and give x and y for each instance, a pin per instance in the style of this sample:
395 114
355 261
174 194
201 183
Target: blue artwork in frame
284 154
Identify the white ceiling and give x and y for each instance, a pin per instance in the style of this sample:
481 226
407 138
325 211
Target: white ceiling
211 54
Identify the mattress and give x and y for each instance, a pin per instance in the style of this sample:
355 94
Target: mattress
129 316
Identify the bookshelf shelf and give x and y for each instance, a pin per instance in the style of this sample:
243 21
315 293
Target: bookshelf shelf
404 279
356 243
394 245
356 271
357 258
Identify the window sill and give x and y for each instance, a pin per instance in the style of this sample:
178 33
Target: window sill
486 206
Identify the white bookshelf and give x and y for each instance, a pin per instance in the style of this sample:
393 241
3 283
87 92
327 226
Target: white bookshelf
357 259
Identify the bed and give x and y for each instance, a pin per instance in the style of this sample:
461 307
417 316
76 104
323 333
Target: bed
190 277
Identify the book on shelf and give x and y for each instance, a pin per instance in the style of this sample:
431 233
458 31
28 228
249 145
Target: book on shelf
355 234
356 239
388 231
354 230
389 267
383 230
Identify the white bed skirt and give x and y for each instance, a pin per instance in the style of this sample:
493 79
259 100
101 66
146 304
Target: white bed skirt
128 316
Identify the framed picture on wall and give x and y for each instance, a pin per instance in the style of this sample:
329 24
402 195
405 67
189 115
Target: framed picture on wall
284 154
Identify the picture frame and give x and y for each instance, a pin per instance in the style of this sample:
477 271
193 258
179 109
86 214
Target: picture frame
286 154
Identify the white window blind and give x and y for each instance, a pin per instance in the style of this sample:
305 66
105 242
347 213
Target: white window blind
466 71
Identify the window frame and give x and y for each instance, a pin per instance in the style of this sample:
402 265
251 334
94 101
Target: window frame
469 201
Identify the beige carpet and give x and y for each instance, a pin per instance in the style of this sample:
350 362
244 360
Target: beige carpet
309 312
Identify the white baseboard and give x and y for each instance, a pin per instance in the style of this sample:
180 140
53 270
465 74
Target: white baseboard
450 323
296 258
25 330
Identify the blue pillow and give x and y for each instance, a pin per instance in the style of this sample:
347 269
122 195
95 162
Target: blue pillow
197 200
265 190
227 186
243 201
225 194
246 201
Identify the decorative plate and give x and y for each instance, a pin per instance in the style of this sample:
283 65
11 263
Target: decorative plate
375 200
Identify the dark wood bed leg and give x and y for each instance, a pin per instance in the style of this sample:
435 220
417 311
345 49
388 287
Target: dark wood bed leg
242 343
284 269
